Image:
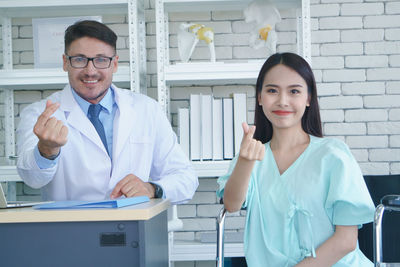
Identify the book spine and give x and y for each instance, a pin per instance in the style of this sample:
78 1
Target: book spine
184 135
206 127
227 104
217 139
195 128
239 116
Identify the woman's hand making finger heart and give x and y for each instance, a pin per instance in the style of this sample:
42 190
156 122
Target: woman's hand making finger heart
250 148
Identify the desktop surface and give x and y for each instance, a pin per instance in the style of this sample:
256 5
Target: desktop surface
143 211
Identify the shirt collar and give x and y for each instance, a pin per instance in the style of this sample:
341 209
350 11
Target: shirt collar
107 102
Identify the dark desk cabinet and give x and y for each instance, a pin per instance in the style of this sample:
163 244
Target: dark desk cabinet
141 243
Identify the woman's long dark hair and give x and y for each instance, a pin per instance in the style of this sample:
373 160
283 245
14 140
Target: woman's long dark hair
311 120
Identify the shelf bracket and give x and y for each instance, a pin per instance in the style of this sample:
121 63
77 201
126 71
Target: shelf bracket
137 46
162 57
8 95
304 31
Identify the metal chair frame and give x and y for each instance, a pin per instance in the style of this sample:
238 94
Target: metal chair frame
388 203
220 237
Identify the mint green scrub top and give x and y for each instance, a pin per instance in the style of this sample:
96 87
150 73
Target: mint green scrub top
290 215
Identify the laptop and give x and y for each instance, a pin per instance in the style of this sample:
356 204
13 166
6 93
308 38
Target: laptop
15 204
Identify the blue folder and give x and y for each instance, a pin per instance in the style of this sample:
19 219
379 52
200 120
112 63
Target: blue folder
103 204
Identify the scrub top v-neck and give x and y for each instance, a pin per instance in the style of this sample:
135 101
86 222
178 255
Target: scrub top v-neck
291 167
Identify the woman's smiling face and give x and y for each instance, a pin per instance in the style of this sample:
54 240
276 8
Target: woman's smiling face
284 97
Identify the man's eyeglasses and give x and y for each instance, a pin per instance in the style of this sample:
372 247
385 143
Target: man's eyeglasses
80 62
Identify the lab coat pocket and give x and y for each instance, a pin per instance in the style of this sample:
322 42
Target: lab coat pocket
140 151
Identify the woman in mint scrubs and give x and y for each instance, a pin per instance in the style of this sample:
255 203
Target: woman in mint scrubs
305 195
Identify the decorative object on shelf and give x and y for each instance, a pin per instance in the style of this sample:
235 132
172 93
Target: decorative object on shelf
263 15
189 35
48 39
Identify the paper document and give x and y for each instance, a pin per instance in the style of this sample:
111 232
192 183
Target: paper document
103 204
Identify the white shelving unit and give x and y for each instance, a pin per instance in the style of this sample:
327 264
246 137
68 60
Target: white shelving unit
132 76
217 73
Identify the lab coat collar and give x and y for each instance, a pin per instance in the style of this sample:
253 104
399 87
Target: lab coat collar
123 122
77 119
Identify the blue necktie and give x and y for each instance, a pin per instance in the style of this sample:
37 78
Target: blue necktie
94 111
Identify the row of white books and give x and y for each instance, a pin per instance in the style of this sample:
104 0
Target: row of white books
211 129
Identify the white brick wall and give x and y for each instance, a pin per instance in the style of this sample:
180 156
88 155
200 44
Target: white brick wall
328 10
384 128
362 9
366 61
359 115
394 61
382 101
328 36
328 89
356 61
342 49
392 8
333 62
340 23
363 88
394 141
365 35
393 88
332 115
344 75
383 74
388 21
392 34
395 167
340 102
367 141
378 48
394 114
361 155
345 128
385 155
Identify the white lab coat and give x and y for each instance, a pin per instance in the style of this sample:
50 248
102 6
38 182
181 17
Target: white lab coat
144 144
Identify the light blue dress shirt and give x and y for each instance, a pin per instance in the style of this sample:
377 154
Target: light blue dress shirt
290 215
107 114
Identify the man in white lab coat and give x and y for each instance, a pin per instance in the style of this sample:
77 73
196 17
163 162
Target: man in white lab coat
94 141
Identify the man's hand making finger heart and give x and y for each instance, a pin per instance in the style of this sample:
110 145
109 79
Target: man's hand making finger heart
132 186
52 133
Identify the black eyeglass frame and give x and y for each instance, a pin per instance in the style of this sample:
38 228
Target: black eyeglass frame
90 59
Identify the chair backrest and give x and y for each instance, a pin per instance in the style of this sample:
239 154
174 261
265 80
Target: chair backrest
379 186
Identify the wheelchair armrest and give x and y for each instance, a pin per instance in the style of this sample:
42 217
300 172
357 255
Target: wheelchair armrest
391 201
